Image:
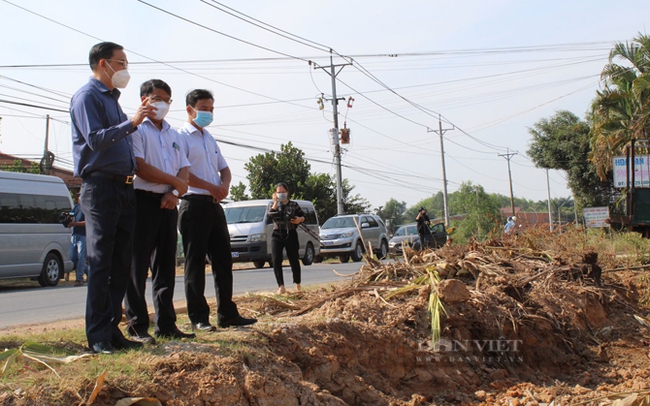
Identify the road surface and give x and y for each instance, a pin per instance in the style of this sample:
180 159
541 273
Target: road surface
29 303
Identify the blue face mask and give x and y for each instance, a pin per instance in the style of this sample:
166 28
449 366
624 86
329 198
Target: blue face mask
203 118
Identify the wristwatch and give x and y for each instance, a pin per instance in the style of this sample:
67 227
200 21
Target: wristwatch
175 192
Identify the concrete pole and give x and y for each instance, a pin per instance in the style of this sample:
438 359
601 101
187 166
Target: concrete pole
444 173
548 193
335 141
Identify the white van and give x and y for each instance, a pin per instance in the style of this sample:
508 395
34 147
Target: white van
250 231
33 243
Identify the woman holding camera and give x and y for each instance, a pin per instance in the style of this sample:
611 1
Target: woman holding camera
286 215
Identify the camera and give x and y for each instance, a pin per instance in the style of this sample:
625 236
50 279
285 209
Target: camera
66 218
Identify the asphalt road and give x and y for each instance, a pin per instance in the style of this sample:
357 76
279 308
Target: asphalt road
28 303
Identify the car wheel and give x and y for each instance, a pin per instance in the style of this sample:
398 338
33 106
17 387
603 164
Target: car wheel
259 264
383 250
309 255
357 255
52 270
344 258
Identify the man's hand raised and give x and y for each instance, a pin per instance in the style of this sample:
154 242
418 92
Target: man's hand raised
145 110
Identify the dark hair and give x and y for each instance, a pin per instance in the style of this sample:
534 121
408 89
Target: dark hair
103 50
148 87
197 94
282 184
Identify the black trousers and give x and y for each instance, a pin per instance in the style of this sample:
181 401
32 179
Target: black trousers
154 247
205 232
288 242
109 208
425 240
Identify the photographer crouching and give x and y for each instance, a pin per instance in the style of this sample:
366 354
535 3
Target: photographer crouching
286 215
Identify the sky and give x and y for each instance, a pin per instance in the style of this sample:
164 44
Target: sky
487 70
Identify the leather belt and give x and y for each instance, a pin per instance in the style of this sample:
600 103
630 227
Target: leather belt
125 179
146 193
201 198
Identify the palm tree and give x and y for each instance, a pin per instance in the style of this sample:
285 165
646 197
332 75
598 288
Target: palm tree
621 111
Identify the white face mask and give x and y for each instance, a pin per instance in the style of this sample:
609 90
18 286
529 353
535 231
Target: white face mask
120 78
162 109
282 197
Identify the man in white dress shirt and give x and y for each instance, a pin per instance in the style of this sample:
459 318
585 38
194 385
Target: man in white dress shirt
161 178
202 221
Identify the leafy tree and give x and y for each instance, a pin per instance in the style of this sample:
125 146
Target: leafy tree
562 142
238 192
392 211
621 111
265 170
18 166
290 166
481 212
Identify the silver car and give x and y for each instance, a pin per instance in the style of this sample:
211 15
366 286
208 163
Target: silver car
339 237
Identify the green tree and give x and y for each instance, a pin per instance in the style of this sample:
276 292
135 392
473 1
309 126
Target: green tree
18 166
481 212
238 192
562 142
290 166
621 111
265 170
392 211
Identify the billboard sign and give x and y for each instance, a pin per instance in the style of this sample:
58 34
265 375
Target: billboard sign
641 171
596 217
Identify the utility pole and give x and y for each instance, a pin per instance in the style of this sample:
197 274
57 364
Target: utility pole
334 132
48 158
509 156
445 203
548 194
47 134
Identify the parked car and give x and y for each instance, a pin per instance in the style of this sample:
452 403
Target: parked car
404 236
250 231
33 242
408 235
339 237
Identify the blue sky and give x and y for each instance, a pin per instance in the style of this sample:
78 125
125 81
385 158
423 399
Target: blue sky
491 69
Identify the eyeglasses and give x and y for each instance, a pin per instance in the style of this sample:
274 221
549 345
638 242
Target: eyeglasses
122 62
156 99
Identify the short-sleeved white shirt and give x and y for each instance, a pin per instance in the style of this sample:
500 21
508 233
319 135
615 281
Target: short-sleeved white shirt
204 155
162 149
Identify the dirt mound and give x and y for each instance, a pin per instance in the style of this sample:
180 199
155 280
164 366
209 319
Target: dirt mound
526 327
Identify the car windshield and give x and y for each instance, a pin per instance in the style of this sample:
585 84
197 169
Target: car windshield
249 214
405 230
339 222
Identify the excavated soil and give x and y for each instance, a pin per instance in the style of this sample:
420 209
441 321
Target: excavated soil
524 327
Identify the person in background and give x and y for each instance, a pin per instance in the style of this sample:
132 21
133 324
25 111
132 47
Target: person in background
202 221
102 149
423 228
78 243
510 225
161 177
286 215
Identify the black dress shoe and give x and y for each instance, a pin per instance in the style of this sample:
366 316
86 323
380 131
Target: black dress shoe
236 321
103 347
174 334
205 327
121 343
